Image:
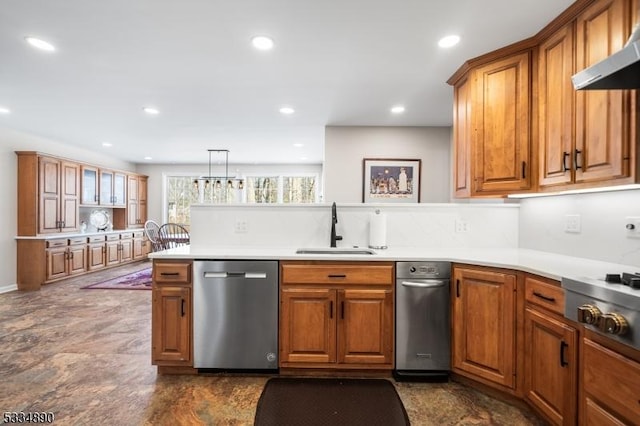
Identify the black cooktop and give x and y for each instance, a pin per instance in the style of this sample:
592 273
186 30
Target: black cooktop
630 279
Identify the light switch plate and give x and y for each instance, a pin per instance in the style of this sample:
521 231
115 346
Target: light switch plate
572 224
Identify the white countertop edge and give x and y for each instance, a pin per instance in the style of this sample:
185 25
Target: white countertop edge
360 206
545 264
74 235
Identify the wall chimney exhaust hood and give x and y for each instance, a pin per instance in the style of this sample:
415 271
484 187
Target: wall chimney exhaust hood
619 71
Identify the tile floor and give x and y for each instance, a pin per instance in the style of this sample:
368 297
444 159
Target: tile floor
85 356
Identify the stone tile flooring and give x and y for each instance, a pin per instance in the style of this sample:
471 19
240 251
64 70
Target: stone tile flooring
85 356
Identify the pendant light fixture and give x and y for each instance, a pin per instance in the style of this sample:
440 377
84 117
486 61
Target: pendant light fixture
231 181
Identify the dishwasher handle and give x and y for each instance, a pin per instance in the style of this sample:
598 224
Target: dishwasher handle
248 275
425 283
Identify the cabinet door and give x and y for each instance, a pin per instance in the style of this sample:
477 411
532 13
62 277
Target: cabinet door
602 116
133 200
57 263
501 116
89 185
77 259
106 188
49 195
96 256
556 108
142 200
119 190
138 248
171 325
551 366
307 325
69 196
126 250
365 326
484 318
462 137
112 253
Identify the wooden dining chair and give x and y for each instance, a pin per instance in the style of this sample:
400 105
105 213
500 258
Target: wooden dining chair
173 235
151 229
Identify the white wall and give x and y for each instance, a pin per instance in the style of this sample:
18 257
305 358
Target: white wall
345 148
603 235
11 141
156 173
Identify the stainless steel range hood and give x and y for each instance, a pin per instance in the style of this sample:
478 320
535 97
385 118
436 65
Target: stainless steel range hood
619 71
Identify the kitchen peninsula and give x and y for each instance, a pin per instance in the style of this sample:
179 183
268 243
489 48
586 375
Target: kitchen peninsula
517 310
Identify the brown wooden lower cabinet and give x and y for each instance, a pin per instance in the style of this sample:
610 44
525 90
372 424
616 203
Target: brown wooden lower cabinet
67 260
551 366
610 384
342 326
484 325
171 314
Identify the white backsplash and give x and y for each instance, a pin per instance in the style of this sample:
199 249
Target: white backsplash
421 225
602 236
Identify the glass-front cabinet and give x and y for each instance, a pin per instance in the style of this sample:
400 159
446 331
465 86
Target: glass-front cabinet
112 188
89 185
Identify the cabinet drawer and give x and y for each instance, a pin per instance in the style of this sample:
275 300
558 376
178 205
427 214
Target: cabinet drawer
172 272
77 240
126 235
112 237
611 379
139 234
97 239
336 273
544 294
60 242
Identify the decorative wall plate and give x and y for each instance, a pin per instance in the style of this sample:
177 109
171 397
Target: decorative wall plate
99 219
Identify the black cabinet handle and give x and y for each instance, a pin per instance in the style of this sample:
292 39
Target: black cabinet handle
169 274
331 309
337 276
457 288
543 297
524 170
565 154
575 158
71 255
342 310
182 313
563 346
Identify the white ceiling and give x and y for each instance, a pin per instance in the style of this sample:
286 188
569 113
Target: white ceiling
337 62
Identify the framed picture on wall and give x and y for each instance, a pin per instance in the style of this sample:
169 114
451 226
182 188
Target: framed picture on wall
390 180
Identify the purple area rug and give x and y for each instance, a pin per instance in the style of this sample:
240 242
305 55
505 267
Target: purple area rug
140 280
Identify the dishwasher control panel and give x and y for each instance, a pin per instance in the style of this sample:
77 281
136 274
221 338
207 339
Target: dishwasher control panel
423 270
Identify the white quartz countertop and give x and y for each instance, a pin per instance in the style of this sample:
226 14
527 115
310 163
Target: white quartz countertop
550 265
76 234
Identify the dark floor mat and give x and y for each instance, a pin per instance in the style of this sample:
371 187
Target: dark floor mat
324 402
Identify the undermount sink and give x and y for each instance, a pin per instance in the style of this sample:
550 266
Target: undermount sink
334 250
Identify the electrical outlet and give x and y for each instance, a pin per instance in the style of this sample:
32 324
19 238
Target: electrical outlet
632 223
462 226
241 226
572 223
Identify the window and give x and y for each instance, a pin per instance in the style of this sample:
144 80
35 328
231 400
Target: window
182 191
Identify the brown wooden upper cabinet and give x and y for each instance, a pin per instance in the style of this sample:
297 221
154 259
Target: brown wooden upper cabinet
492 135
48 194
90 186
137 200
112 188
587 138
517 134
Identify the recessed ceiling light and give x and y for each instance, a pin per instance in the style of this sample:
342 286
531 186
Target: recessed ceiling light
107 144
148 158
287 110
262 42
4 110
398 109
151 110
40 44
298 145
449 41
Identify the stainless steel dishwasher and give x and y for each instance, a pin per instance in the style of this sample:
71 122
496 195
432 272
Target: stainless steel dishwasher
235 315
423 343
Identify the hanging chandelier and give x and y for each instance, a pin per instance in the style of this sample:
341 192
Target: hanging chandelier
231 182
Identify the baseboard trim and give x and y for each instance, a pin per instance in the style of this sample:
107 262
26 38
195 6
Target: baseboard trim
8 288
